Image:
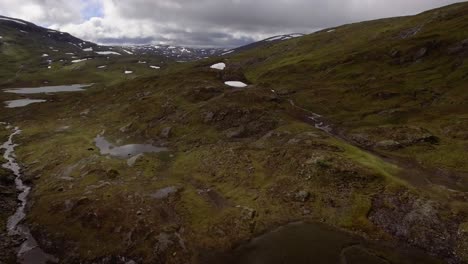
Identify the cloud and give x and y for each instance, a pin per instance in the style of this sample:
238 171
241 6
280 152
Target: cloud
224 23
43 12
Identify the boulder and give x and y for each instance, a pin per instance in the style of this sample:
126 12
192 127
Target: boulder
388 144
166 132
416 221
459 48
235 132
422 52
302 196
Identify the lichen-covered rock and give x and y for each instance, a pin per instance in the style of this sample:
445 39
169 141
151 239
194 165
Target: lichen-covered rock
417 221
393 137
388 144
166 132
460 48
302 196
240 122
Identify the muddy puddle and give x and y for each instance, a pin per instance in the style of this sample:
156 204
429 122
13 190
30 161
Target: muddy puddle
306 243
125 151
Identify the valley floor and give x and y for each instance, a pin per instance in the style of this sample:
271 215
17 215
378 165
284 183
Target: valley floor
225 171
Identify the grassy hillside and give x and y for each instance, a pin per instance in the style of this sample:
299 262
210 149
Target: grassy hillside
32 55
378 80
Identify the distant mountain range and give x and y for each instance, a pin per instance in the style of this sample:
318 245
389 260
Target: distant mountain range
47 40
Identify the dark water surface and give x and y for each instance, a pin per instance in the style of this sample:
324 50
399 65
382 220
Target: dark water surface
49 89
305 243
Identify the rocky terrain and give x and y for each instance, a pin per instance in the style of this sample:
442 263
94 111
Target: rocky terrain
361 128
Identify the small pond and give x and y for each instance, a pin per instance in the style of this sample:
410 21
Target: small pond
49 89
306 243
22 102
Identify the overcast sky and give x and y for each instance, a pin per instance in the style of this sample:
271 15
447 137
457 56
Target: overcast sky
203 23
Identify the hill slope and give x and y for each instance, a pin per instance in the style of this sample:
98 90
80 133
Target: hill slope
369 78
32 54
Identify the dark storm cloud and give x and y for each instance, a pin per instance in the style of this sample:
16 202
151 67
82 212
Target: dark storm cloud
126 40
225 23
269 15
201 38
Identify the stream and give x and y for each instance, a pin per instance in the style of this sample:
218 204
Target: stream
412 172
29 251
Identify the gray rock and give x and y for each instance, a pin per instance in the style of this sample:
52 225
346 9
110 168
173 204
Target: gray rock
166 132
165 192
388 144
208 117
164 242
131 161
420 53
85 112
125 128
417 221
235 132
410 32
461 47
248 213
302 196
395 53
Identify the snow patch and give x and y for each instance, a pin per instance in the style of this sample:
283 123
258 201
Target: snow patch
296 35
128 72
228 52
218 66
107 53
79 60
275 38
284 37
13 20
22 102
155 67
128 52
236 84
87 49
